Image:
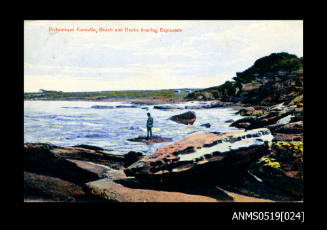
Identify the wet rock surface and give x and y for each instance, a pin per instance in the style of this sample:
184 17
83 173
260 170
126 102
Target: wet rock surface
207 125
152 140
282 167
262 163
231 184
187 118
202 154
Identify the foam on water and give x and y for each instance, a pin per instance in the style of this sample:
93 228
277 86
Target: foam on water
69 123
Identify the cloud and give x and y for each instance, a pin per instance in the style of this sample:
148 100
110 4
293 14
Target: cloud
206 52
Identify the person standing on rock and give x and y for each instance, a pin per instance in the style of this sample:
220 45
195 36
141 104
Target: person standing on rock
149 125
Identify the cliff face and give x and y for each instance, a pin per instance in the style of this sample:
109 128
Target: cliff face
272 88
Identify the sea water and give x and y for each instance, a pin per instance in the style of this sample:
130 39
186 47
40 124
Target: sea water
69 123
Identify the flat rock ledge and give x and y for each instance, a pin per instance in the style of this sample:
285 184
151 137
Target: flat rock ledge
153 140
120 188
88 173
202 154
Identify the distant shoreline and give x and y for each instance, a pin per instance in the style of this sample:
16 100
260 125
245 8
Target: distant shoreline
236 107
141 101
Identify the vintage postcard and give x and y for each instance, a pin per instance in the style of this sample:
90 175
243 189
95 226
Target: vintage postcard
163 110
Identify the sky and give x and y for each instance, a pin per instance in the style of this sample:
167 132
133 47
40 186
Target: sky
202 54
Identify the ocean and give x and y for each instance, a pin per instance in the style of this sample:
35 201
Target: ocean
102 124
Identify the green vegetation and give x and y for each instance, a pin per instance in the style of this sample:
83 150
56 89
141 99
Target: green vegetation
286 155
271 162
130 94
289 155
274 62
228 88
288 149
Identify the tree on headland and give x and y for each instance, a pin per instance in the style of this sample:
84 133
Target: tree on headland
272 63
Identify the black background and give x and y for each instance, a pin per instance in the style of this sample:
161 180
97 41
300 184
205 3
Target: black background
140 215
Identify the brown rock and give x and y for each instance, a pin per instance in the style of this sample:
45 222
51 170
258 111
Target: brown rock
279 178
298 114
267 118
119 188
132 157
53 161
297 100
290 128
246 111
154 139
42 188
187 118
82 152
202 153
245 122
97 169
288 137
282 167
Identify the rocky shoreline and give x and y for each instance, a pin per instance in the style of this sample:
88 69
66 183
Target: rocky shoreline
260 163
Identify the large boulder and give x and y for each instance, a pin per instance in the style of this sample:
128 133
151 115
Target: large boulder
55 173
187 118
75 164
42 160
47 188
202 154
44 188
